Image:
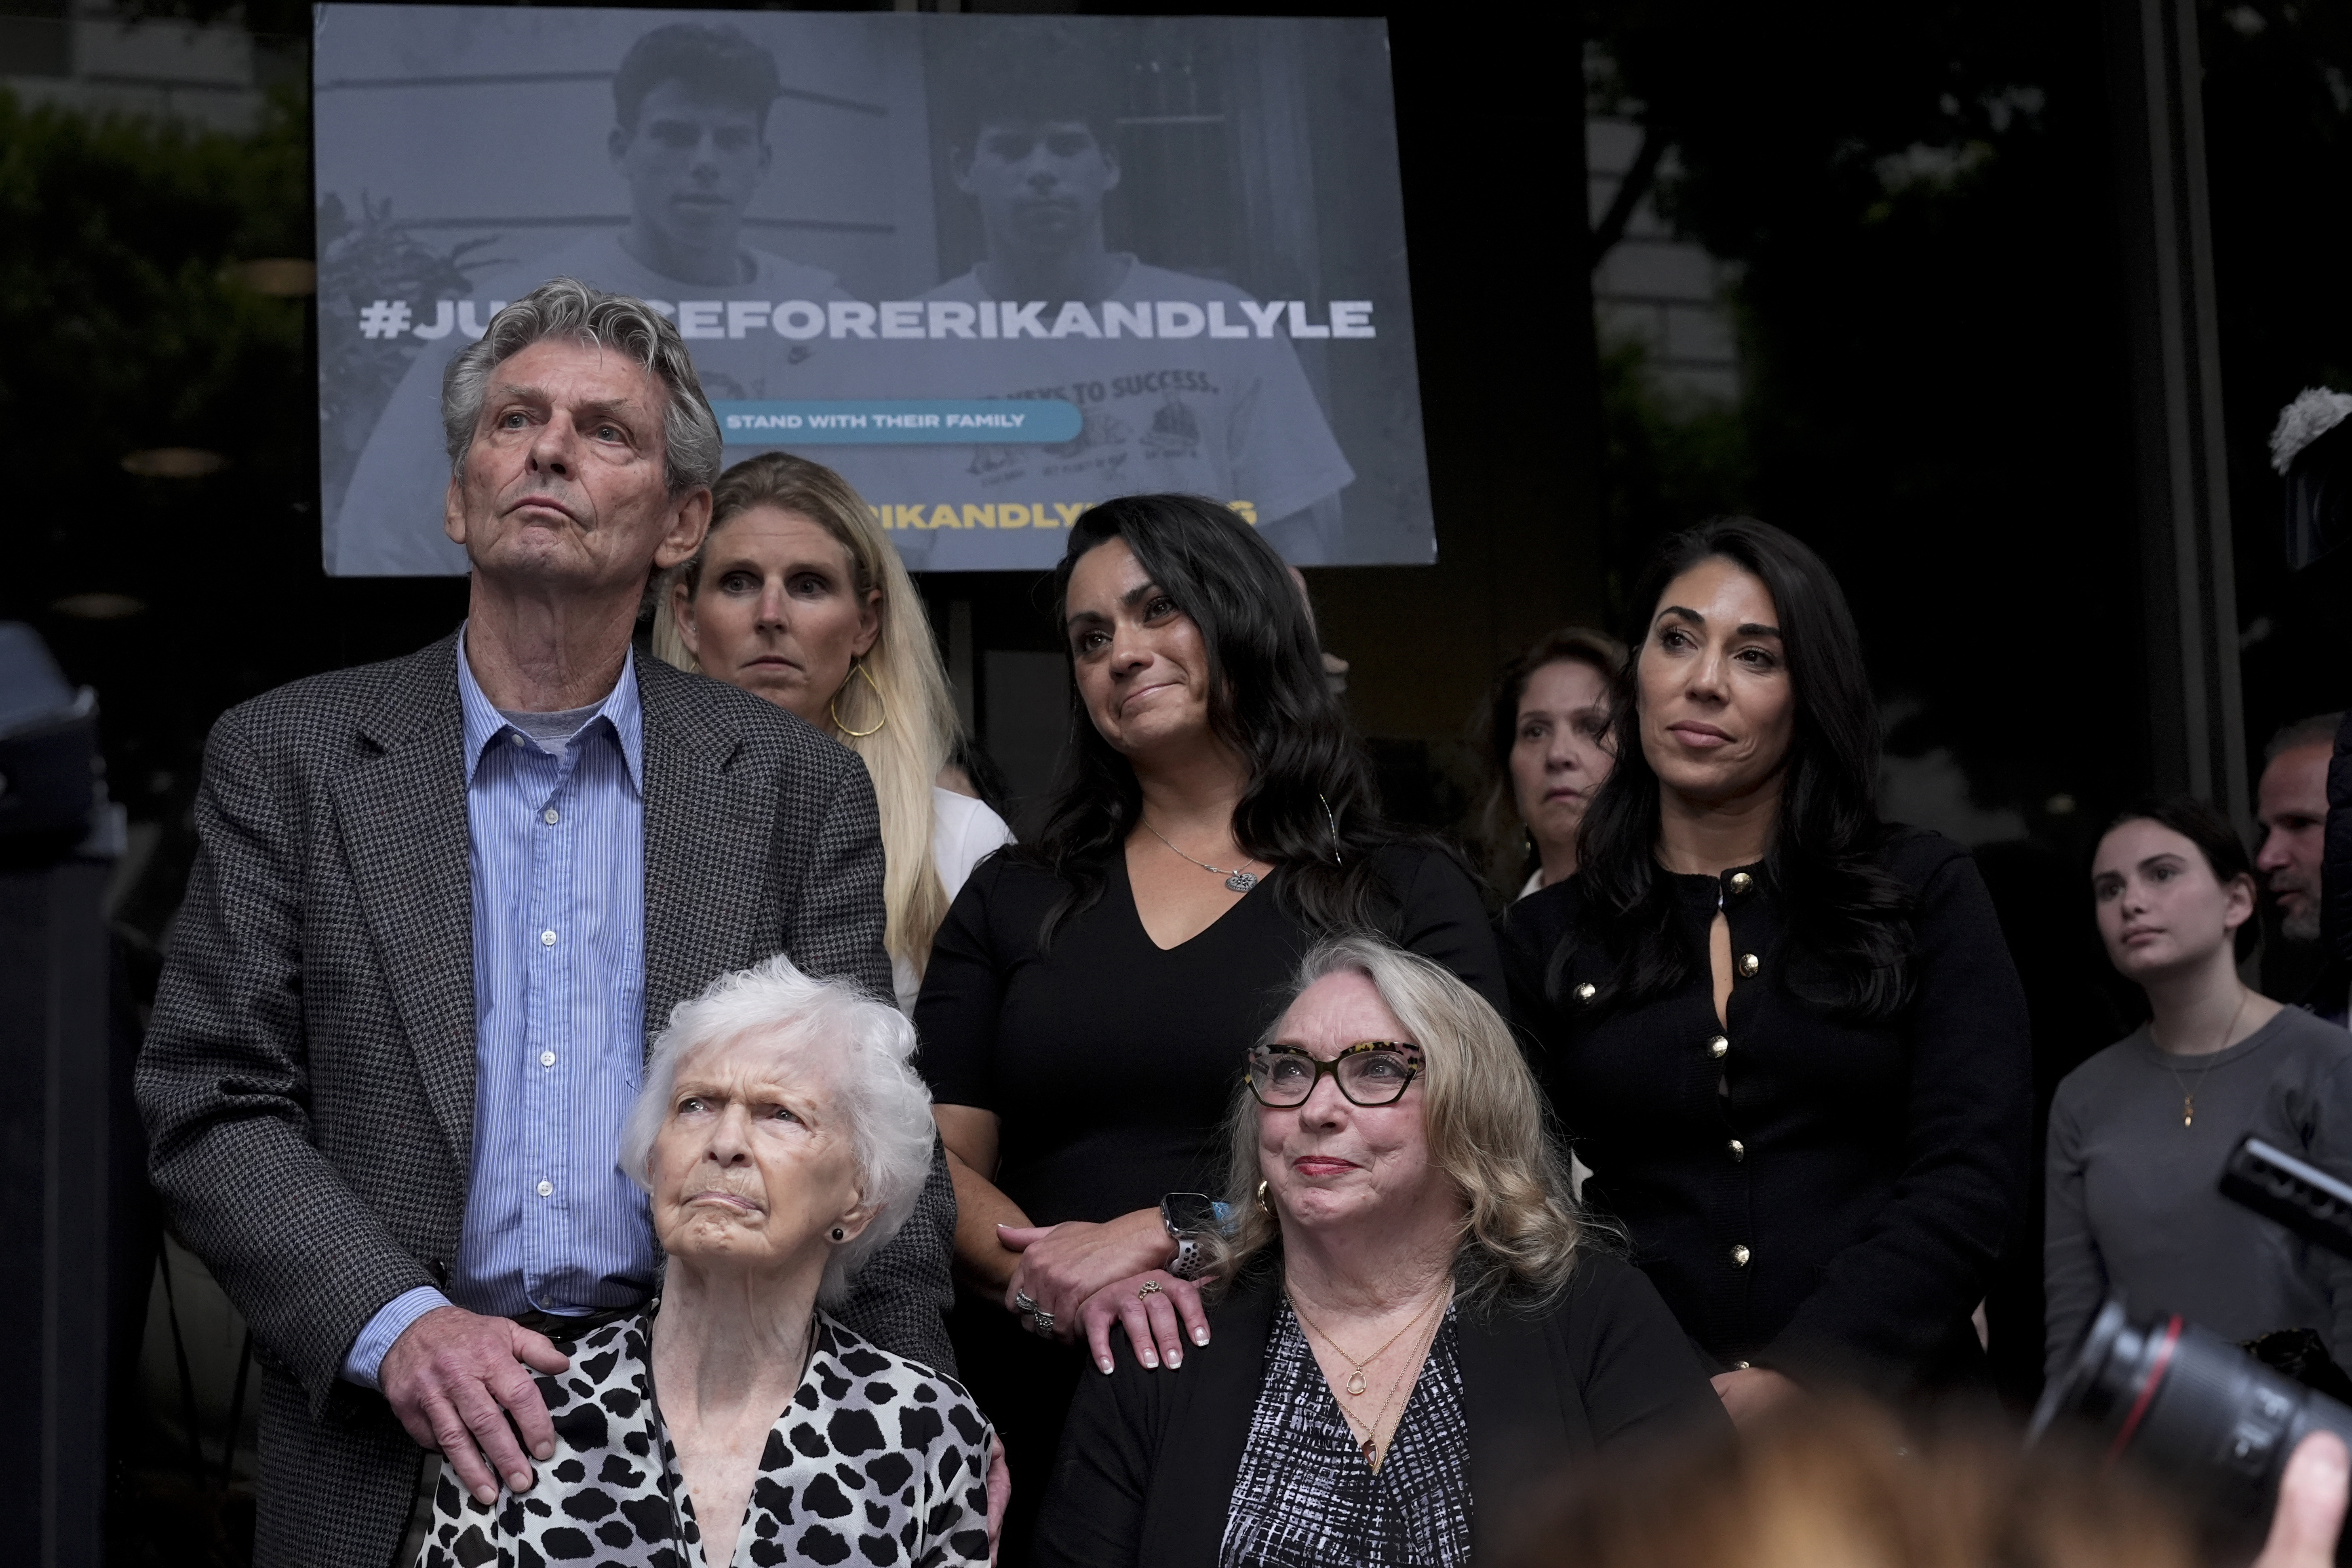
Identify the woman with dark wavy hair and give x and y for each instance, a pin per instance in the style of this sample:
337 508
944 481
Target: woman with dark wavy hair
1786 1037
1089 993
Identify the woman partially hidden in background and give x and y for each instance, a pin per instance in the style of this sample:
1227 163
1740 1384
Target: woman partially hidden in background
798 596
2139 1133
1786 1038
1547 743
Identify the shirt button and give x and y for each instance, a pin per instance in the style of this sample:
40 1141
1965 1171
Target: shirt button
1717 1047
515 737
1739 1151
546 1058
1739 1254
1587 992
1741 883
550 816
1749 964
547 939
546 1190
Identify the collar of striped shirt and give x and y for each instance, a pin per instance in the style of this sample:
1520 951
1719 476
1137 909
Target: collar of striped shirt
621 710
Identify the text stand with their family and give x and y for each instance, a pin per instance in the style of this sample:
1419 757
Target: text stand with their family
651 1113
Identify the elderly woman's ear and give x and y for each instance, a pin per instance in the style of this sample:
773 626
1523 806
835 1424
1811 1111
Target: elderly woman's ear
851 1224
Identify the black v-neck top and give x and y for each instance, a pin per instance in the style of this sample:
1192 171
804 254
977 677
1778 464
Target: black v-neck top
1819 1195
1110 1062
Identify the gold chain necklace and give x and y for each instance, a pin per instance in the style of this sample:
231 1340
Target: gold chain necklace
2188 1095
1369 1447
1356 1383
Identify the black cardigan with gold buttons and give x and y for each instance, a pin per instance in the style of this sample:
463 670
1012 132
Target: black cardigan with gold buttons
1823 1198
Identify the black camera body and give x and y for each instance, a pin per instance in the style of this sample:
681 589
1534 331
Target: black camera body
2189 1408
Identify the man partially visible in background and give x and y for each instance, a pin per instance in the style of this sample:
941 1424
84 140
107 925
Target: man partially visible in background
2291 804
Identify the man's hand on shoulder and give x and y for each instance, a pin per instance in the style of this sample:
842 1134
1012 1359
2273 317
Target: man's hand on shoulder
454 1377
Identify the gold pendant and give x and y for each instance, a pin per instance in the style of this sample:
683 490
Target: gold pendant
1371 1455
1356 1380
2188 1110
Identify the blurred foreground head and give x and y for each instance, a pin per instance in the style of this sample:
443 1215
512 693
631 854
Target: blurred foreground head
1843 1485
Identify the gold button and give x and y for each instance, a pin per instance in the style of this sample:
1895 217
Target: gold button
1587 992
1739 1257
1741 882
1717 1046
1749 964
1739 1151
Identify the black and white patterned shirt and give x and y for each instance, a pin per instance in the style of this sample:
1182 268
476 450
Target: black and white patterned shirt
1304 1496
876 1460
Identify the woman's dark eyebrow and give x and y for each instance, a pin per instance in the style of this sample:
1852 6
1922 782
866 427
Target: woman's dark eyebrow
2160 856
1747 628
1138 594
1758 629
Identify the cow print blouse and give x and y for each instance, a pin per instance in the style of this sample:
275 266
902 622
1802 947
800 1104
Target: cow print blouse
876 1462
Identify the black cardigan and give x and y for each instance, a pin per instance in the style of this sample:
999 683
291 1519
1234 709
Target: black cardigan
1149 1459
1838 1212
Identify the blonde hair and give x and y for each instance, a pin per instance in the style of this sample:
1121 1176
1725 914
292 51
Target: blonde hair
907 707
1482 1115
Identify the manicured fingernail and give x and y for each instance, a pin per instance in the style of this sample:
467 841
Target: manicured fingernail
1150 1358
1199 1336
1105 1365
1175 1358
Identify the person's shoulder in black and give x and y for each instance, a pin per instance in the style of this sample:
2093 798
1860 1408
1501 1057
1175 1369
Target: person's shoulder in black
1440 915
1149 1457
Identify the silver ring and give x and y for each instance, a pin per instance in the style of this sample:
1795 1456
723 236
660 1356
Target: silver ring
1045 1321
1021 1300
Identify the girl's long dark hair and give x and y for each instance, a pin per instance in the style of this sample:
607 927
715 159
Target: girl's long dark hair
1310 807
1849 919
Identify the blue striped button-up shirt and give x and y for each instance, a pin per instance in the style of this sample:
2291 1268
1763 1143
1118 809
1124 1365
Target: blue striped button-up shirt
558 861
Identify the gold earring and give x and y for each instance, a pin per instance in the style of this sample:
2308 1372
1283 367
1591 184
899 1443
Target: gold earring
857 669
1261 1198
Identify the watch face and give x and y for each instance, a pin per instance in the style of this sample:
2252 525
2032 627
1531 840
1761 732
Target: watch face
1189 1214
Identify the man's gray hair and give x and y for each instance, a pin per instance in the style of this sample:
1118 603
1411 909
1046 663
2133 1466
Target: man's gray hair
2319 730
864 1049
692 450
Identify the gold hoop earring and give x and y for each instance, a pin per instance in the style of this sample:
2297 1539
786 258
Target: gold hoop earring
857 669
1261 1199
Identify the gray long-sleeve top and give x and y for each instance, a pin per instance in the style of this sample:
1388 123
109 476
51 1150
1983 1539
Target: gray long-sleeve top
2133 1204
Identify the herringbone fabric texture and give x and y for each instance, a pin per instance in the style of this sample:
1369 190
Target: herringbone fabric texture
308 1078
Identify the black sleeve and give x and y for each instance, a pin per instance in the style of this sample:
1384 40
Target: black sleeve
1639 1380
1093 1513
1892 1297
963 995
1526 933
1441 917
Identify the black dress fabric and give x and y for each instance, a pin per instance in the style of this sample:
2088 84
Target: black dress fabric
1149 1466
1111 1064
1826 1198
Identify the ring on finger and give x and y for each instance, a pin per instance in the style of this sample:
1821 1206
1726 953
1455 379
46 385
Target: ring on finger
1022 1302
1045 1321
1149 1288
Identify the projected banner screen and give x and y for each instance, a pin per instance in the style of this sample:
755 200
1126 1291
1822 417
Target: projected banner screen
992 269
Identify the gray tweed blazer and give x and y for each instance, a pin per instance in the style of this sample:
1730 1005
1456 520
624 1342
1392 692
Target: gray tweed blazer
308 1078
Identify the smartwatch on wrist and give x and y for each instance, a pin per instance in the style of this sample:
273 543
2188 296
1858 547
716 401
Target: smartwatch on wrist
1191 1219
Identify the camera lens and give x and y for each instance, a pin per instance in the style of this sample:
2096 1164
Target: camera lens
2193 1411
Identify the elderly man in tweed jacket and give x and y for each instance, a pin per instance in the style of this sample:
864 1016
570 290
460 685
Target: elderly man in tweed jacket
440 904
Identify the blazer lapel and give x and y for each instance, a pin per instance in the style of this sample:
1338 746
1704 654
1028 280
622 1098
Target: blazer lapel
706 847
402 815
1523 1422
1212 1400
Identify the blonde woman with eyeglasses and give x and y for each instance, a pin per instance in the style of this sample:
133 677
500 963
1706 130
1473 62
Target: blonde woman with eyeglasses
798 596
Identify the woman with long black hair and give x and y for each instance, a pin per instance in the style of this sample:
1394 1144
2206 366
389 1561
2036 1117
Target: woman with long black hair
1786 1037
1089 995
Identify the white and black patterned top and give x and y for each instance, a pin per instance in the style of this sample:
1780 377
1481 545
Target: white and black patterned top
876 1460
1304 1495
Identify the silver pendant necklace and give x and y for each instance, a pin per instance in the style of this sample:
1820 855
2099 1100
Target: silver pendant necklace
1240 882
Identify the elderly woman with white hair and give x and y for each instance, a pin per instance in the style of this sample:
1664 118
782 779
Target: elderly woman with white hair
783 1136
1414 1326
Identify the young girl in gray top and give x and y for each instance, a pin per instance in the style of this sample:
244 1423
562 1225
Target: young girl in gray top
2139 1133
